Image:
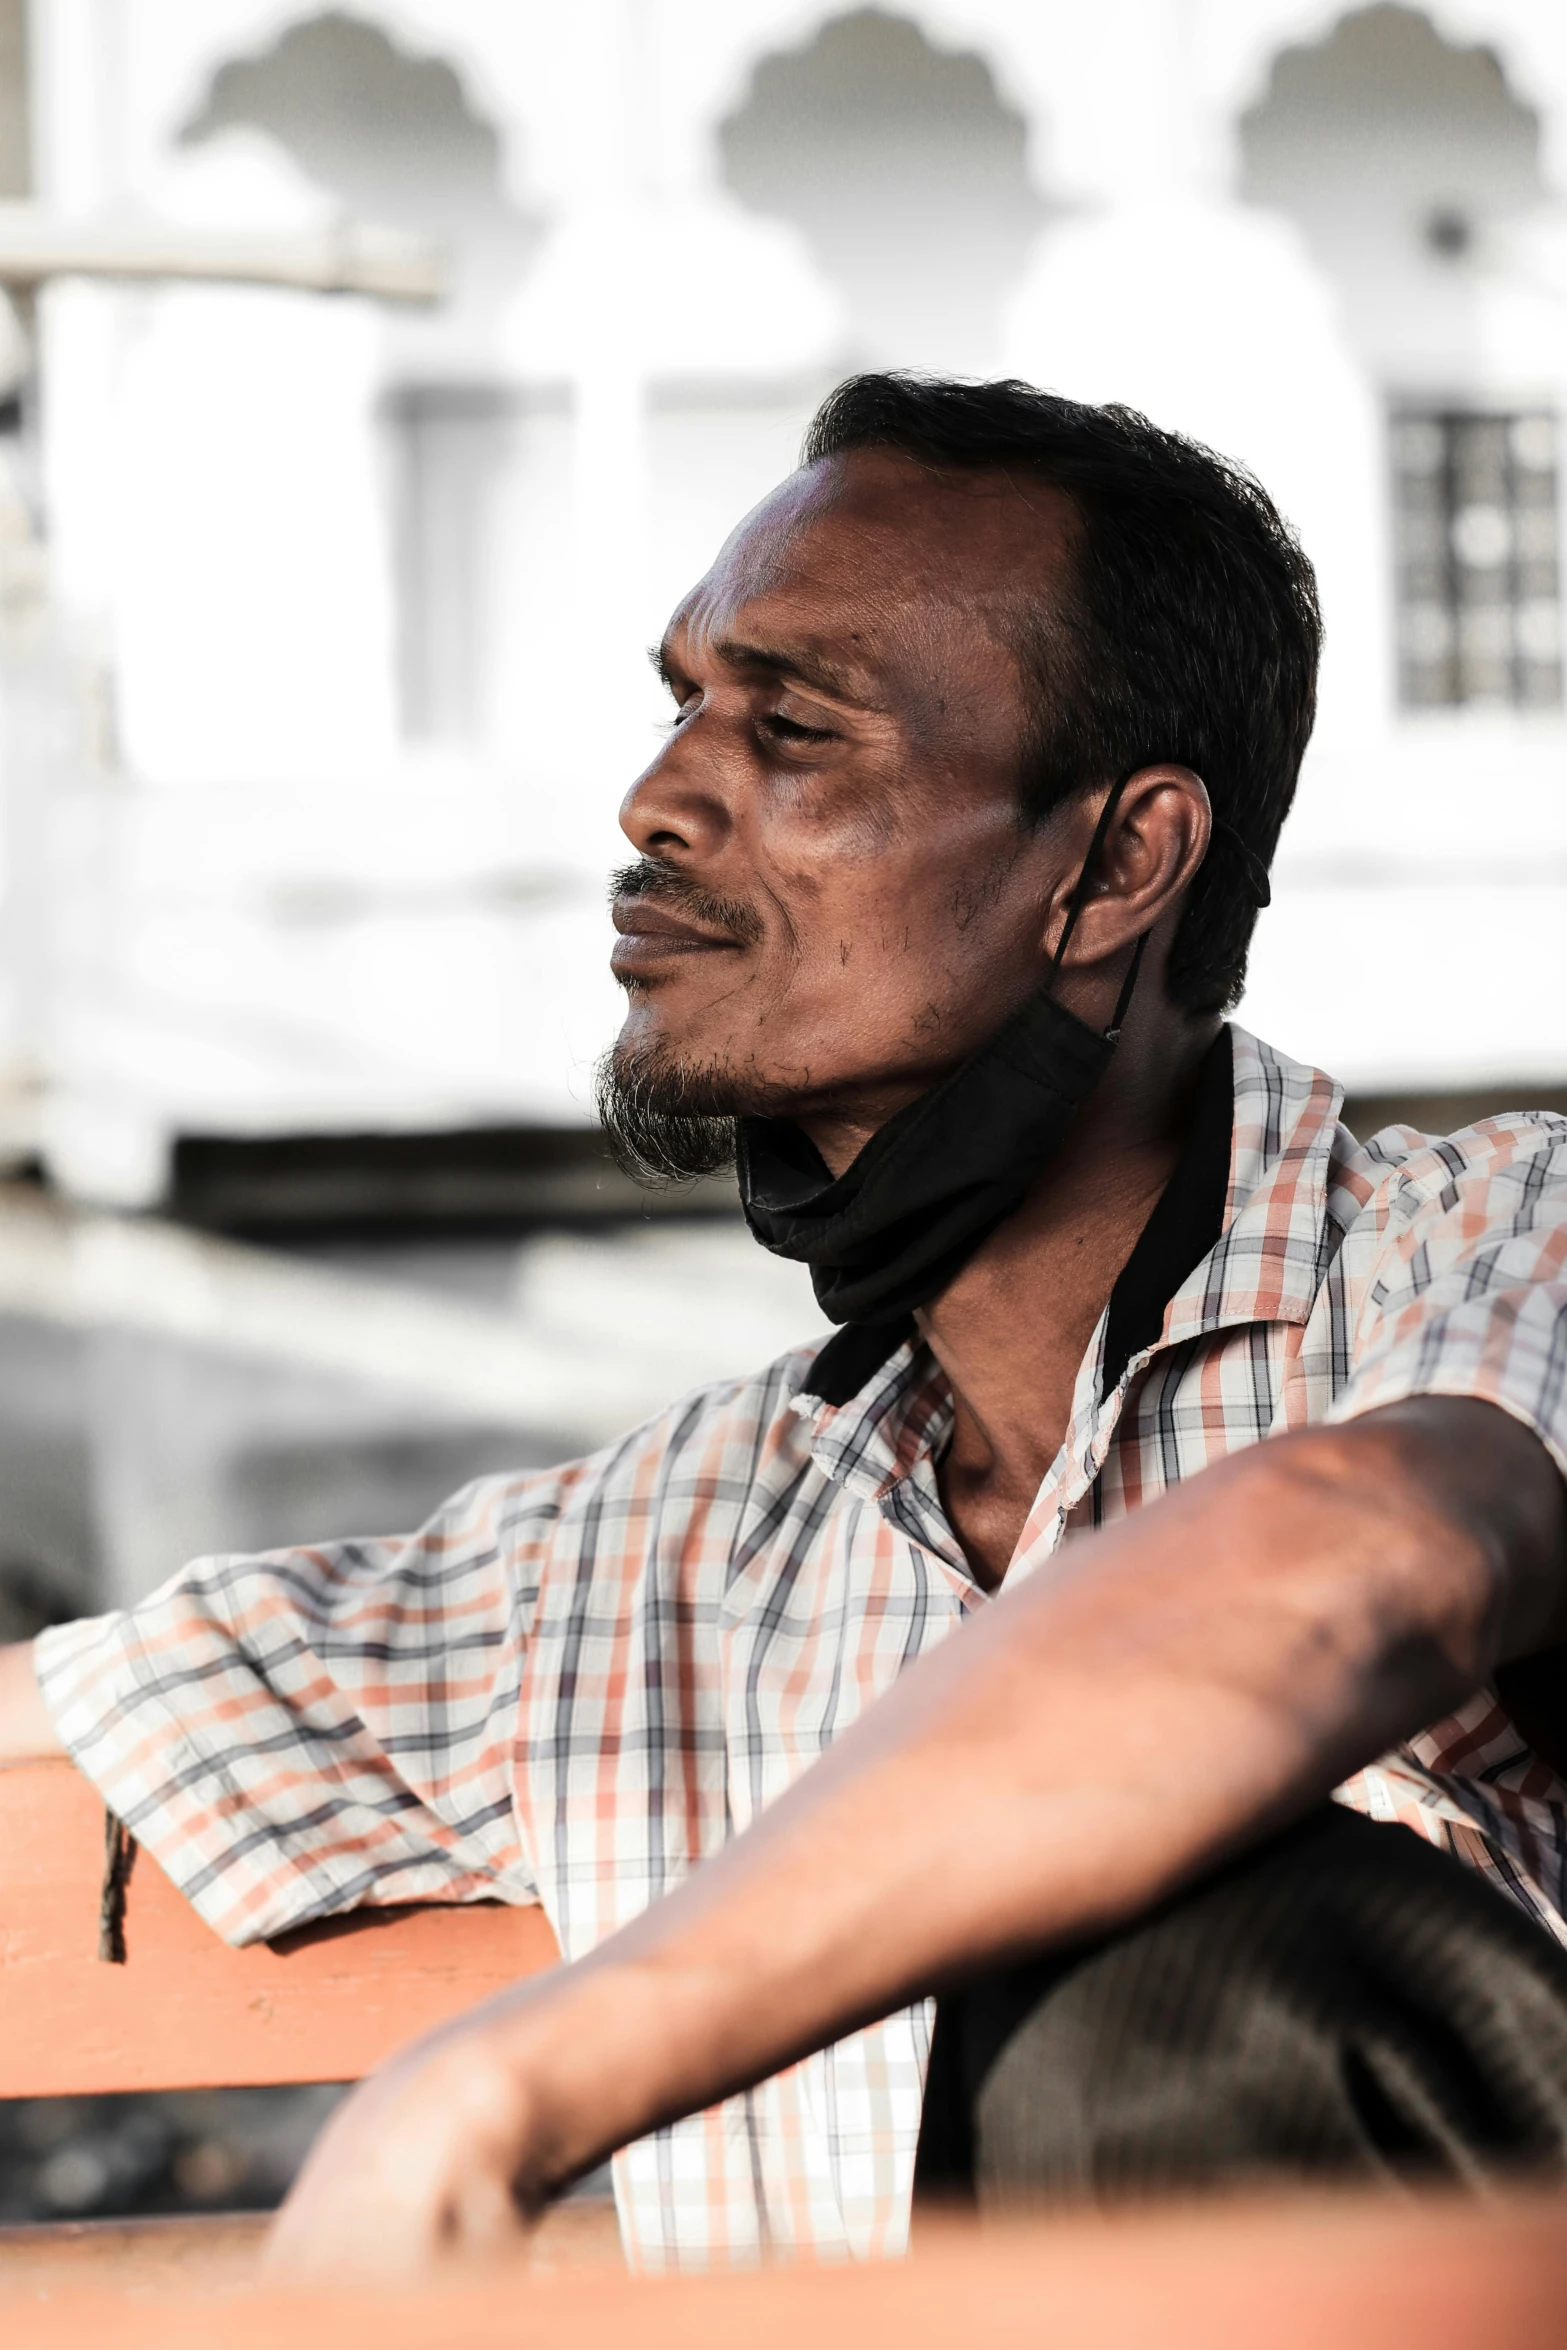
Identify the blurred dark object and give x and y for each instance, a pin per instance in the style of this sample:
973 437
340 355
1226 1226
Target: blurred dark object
30 1599
1366 1114
503 1178
178 2151
50 1555
1449 232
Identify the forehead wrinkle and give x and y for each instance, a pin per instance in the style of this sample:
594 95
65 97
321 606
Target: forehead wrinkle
766 631
782 657
801 660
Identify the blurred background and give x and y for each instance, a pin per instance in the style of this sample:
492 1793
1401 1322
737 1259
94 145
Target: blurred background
372 382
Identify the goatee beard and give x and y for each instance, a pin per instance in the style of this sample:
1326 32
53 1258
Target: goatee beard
665 1124
666 1121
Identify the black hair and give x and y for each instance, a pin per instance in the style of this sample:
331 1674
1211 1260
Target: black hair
1189 630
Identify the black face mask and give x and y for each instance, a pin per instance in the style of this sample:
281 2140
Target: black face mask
898 1225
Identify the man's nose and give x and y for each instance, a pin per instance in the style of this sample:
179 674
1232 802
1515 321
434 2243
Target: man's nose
676 808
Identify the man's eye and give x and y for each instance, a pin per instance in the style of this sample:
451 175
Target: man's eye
789 730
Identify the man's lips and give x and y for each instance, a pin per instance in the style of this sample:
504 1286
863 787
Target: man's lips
651 934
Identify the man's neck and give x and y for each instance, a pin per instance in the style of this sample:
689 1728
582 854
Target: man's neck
1012 1330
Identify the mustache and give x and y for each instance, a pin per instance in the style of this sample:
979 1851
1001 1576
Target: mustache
650 877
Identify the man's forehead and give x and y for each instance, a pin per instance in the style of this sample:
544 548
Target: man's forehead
837 555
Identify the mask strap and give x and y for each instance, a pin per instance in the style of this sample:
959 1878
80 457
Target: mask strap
1075 907
1079 897
1123 1001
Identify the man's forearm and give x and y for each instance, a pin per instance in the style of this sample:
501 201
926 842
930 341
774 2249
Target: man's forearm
27 1730
1161 1694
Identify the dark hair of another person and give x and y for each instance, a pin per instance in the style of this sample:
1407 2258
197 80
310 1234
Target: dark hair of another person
1190 630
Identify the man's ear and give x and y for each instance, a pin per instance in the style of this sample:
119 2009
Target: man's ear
1154 844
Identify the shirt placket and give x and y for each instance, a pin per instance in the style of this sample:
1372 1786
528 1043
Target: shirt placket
870 1458
912 1506
1084 1451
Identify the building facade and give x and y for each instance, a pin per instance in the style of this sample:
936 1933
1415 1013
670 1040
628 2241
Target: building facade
324 619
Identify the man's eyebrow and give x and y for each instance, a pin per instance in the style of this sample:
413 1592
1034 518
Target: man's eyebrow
812 669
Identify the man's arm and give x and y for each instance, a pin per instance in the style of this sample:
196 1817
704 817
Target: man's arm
27 1732
1169 1690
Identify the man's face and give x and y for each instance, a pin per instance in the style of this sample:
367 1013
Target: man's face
837 898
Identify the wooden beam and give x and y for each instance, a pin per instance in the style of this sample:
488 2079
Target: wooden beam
187 2012
1356 2273
350 257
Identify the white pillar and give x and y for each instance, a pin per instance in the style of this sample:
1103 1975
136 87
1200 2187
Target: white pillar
607 70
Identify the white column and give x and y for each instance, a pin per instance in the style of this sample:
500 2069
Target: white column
610 395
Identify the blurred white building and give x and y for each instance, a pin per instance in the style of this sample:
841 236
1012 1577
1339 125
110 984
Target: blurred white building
323 622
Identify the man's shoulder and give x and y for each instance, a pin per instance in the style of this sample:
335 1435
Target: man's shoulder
1401 1174
1293 1089
1422 1161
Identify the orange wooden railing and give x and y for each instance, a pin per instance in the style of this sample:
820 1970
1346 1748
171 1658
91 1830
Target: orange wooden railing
1347 2277
1351 2273
184 2011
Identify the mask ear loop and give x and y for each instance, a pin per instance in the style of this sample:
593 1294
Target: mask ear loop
1079 898
1123 1002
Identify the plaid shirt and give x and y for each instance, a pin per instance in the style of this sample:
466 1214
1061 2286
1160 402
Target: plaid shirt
572 1686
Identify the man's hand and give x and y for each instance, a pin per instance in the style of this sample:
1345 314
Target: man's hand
1162 1694
27 1733
419 2167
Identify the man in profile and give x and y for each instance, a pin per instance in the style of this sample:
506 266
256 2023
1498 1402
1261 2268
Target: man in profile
984 727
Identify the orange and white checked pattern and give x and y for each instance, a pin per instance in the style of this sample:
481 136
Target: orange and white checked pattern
572 1685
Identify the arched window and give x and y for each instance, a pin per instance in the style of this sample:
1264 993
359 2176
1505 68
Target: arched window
394 135
905 171
1406 161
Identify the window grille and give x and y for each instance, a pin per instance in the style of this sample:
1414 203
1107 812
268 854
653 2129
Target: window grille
1476 520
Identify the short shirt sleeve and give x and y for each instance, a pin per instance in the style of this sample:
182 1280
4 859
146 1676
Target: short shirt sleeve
1462 1276
308 1731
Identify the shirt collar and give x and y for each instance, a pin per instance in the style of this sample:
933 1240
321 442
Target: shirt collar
1185 1224
874 1439
1269 1260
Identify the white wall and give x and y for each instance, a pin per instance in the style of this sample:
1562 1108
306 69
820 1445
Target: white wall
299 918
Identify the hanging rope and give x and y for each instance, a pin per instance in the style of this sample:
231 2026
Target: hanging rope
119 1858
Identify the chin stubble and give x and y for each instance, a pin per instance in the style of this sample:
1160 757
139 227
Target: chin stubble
666 1124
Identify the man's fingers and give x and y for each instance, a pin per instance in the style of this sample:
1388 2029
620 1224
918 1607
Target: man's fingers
377 2239
394 2195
